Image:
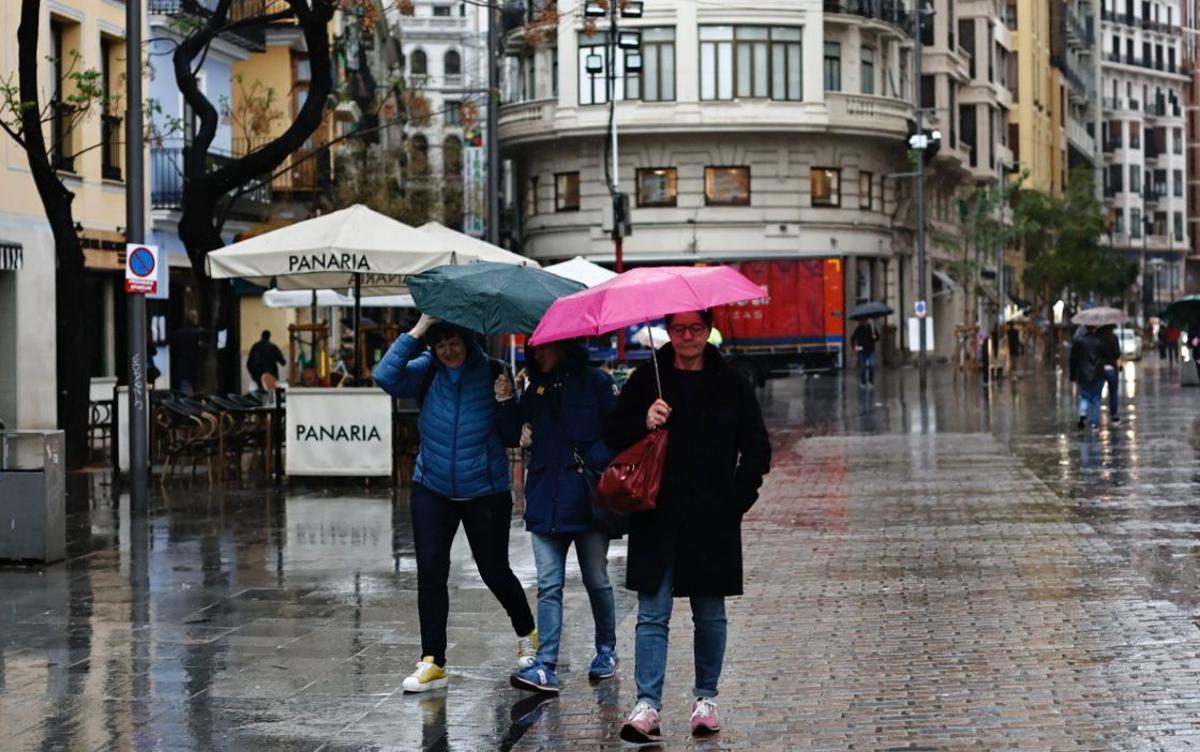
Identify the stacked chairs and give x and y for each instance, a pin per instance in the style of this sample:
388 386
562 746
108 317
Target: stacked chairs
210 431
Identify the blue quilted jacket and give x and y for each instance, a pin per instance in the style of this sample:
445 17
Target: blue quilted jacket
462 454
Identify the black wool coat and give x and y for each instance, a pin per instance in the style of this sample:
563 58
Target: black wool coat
717 454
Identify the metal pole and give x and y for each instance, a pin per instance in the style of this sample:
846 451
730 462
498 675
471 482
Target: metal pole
615 180
135 232
493 126
922 360
358 339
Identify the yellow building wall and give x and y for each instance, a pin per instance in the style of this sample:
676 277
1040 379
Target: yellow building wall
255 317
99 204
1037 100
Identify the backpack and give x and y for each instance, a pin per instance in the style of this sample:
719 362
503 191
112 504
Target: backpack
497 367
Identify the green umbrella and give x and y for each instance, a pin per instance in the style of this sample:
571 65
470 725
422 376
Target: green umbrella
487 297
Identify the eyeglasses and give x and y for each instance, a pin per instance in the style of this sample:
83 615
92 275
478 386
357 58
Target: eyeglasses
694 329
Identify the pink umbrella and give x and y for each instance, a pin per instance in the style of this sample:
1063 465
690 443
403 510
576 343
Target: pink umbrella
641 295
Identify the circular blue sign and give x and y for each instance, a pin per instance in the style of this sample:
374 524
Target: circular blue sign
141 262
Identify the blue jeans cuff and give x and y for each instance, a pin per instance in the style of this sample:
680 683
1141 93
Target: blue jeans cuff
708 694
656 704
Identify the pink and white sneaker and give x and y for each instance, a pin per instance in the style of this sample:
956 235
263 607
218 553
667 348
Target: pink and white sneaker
643 725
704 717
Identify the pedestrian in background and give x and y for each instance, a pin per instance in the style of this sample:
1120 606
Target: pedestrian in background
1111 357
461 477
690 545
563 409
1087 370
187 353
863 340
264 360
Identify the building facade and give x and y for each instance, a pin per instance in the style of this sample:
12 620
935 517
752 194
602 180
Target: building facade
75 35
1144 141
771 130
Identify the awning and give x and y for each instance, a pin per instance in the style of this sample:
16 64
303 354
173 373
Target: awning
11 256
945 281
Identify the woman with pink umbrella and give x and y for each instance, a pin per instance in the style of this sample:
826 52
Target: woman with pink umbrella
718 451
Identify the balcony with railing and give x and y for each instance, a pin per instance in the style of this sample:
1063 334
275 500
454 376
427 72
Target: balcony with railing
110 150
891 12
167 178
250 37
1077 31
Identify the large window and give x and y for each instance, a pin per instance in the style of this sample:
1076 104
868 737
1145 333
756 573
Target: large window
1135 222
657 186
452 63
750 62
867 70
727 186
419 64
593 70
833 66
656 82
566 191
864 189
826 186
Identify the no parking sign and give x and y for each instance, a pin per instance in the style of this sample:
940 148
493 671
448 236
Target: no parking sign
141 268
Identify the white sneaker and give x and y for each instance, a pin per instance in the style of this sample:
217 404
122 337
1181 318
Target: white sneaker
527 648
643 725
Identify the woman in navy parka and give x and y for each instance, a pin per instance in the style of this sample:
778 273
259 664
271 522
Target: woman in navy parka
563 410
461 476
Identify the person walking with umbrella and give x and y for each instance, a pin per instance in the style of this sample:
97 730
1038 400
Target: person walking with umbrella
461 477
690 544
1111 357
563 410
1087 370
865 338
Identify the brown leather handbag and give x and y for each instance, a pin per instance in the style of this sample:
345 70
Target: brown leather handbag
631 481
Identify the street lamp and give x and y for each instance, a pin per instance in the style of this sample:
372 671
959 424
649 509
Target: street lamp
918 18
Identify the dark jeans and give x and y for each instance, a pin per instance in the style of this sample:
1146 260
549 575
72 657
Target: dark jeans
1089 401
487 521
1113 378
866 368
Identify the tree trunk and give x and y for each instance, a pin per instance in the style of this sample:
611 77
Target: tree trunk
72 368
199 222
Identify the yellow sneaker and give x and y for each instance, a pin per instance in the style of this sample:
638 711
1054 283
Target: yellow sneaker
428 676
527 648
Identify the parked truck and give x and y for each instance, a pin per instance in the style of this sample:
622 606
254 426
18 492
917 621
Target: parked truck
800 321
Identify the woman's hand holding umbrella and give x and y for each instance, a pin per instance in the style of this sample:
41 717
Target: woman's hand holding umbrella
423 324
657 415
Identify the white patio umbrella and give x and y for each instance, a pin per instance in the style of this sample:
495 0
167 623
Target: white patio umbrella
476 249
583 271
341 250
643 336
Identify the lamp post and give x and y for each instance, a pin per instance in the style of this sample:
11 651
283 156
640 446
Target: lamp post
630 43
920 142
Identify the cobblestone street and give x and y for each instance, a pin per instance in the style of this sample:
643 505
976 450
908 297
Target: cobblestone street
970 572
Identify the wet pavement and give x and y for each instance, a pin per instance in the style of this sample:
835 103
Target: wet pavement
963 572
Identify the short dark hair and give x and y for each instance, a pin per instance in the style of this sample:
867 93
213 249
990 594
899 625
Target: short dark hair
443 331
706 316
266 334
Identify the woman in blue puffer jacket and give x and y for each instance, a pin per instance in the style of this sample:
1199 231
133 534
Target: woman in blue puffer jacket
461 476
563 411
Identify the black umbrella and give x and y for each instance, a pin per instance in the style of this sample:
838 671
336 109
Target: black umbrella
871 310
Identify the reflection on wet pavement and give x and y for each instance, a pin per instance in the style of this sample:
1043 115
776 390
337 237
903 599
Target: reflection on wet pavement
967 570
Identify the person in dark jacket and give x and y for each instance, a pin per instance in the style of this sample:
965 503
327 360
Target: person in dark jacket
1087 369
264 358
187 354
461 477
1111 357
563 409
863 340
690 545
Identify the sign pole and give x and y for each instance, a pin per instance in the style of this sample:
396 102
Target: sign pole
135 231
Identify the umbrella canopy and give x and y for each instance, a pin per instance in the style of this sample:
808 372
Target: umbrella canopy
304 298
473 248
643 336
1184 312
1100 316
641 295
583 271
331 250
871 310
488 297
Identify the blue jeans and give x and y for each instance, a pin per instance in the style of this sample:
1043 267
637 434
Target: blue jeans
866 368
1113 377
650 642
1089 400
550 555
